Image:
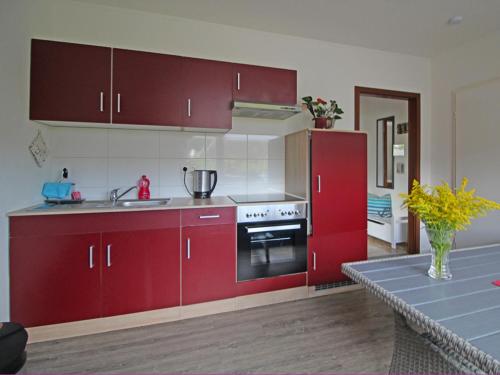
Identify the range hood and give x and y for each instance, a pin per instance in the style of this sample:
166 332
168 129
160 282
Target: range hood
265 111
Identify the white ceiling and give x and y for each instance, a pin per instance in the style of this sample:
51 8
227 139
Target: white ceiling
417 27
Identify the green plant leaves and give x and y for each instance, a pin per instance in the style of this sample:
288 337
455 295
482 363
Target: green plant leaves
320 109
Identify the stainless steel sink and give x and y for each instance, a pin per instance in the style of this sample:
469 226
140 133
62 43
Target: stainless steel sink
143 203
106 204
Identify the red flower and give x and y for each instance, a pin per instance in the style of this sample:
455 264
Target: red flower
320 101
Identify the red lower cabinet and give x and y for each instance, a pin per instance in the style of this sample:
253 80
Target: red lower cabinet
55 279
328 252
129 262
208 263
140 270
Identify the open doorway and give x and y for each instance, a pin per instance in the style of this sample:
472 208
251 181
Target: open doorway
392 121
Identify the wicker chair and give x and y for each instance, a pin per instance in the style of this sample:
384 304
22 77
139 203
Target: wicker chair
415 353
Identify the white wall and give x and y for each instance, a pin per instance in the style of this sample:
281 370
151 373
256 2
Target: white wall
453 71
468 64
324 69
20 178
372 109
478 157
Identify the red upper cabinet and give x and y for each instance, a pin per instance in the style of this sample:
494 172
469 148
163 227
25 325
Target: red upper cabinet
264 85
70 82
140 270
147 88
81 83
339 182
54 279
207 88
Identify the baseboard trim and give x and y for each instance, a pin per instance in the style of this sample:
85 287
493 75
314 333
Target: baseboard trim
101 325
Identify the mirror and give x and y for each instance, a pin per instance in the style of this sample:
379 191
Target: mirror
385 157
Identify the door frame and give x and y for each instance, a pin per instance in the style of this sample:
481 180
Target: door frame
414 141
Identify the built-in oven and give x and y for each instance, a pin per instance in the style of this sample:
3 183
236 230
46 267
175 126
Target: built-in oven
272 248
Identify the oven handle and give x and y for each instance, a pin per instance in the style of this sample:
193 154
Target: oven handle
272 239
273 228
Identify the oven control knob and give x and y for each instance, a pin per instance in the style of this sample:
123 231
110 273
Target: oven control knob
262 214
255 215
248 215
290 213
283 213
297 212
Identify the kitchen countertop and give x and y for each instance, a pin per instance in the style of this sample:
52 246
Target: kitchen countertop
89 208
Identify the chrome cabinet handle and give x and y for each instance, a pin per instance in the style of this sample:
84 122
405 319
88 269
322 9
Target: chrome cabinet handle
188 246
314 261
108 255
210 216
319 183
119 103
91 256
101 101
189 107
238 81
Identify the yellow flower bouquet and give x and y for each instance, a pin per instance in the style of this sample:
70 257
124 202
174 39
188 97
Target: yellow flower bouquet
445 212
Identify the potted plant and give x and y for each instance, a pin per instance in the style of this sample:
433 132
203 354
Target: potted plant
444 212
325 114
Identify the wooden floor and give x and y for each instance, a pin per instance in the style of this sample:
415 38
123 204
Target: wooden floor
378 248
348 332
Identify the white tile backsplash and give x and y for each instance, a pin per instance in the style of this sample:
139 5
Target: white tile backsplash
226 146
125 172
78 142
229 171
174 191
100 160
266 147
85 172
171 173
134 144
266 175
182 145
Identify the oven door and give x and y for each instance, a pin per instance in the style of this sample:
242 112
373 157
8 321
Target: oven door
271 249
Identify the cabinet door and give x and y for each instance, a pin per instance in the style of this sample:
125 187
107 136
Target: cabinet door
208 263
70 82
339 182
147 88
207 94
328 252
54 279
141 270
266 85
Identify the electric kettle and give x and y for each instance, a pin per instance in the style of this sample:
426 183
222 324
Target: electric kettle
202 182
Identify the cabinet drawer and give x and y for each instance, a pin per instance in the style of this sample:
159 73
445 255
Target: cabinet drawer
208 216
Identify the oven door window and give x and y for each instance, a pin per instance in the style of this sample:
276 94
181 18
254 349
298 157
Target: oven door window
271 248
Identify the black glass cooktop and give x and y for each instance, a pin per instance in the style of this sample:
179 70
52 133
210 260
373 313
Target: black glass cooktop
261 198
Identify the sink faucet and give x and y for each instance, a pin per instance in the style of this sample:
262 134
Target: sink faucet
113 196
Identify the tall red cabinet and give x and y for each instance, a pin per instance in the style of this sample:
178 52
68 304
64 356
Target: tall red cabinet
330 170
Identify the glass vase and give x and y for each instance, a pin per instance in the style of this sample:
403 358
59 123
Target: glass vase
441 243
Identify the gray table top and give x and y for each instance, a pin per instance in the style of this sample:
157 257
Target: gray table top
464 310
